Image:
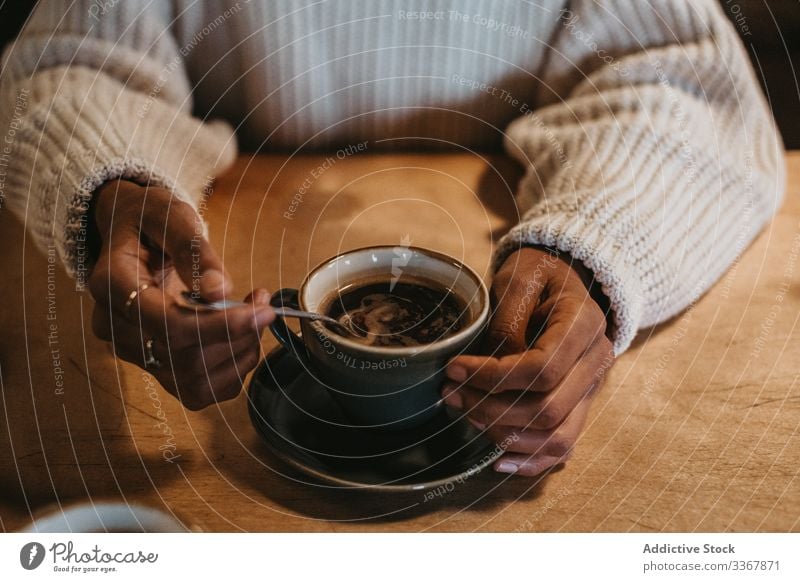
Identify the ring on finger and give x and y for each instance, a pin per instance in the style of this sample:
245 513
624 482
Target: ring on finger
150 360
132 297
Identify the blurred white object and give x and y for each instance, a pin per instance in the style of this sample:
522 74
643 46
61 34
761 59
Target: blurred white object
106 517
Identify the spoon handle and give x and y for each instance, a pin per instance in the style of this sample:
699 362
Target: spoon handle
289 312
188 301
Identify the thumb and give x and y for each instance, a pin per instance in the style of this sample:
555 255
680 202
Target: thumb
258 296
181 230
515 301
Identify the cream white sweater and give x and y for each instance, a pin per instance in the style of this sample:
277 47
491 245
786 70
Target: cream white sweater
650 152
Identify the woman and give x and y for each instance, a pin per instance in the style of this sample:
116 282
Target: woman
651 160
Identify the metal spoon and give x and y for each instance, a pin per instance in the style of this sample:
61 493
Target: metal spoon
188 301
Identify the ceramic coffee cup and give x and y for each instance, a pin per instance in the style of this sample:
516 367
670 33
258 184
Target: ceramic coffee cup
382 387
104 516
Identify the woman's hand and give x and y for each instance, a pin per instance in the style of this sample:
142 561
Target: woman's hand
548 352
152 248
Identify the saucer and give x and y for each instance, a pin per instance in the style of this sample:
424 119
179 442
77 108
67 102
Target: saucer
303 425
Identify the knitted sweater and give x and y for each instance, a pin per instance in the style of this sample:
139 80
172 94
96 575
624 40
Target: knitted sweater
649 151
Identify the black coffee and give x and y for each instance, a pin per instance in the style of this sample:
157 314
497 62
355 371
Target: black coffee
381 313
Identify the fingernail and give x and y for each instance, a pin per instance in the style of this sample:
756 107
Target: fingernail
457 373
262 296
213 284
476 424
506 467
452 398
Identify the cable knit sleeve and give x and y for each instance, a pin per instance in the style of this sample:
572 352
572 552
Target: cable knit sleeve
94 94
653 158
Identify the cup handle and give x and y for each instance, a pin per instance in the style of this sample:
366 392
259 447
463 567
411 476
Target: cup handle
291 341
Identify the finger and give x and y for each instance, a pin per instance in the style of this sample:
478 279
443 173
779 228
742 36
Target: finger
184 330
513 408
120 269
119 273
180 232
531 452
156 311
258 296
540 410
526 465
201 359
557 442
515 297
198 357
222 383
128 344
214 354
573 326
196 386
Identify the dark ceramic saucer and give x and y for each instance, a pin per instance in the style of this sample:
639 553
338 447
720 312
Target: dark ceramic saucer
301 423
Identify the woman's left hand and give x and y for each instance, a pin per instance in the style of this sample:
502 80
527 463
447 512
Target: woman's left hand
548 354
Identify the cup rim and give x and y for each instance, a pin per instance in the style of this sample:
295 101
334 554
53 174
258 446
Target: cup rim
444 344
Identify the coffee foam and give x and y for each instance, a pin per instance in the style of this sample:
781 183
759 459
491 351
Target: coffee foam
386 319
381 315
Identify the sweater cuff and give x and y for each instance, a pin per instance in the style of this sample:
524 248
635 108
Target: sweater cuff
79 184
71 145
600 253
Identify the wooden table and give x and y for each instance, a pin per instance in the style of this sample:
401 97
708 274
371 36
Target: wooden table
696 429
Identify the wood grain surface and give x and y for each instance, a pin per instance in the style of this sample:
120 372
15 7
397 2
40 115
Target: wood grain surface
696 428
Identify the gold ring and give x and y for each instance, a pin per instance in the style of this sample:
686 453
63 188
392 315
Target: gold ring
132 297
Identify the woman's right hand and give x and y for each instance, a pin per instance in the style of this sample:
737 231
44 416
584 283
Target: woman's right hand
152 248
